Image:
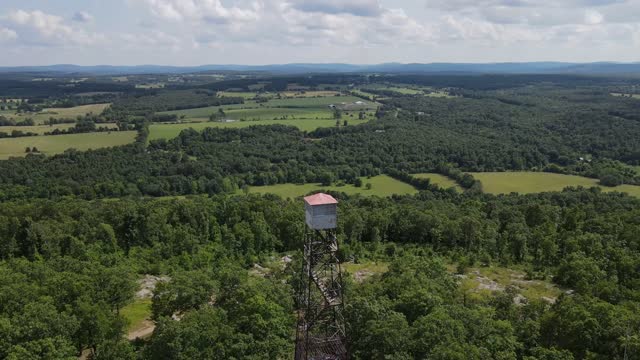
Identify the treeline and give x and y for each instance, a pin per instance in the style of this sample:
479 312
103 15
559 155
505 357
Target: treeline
466 181
147 103
4 121
16 134
82 126
609 172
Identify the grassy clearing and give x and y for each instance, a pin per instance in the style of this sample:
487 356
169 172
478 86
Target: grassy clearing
483 282
362 271
136 313
55 144
526 182
382 185
170 131
529 182
58 113
632 190
440 180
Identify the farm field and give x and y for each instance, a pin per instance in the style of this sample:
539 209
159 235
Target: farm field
535 182
397 89
309 107
170 131
285 94
382 185
440 180
57 113
38 129
42 129
55 144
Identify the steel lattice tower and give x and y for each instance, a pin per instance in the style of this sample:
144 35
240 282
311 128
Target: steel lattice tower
321 327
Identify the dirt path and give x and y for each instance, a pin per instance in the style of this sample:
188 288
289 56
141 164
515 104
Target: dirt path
142 332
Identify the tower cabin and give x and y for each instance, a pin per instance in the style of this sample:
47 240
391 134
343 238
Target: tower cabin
321 211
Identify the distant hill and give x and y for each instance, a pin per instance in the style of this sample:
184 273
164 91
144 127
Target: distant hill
448 68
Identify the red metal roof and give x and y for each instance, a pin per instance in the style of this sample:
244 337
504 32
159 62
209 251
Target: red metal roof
320 199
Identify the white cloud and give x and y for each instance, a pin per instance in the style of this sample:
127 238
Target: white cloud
39 28
7 34
593 17
293 22
208 10
83 17
353 7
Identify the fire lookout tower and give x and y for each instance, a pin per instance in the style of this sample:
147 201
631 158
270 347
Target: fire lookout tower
321 328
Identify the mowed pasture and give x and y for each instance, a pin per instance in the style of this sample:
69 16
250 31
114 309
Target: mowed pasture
535 182
440 180
305 113
57 113
55 144
43 129
381 185
308 108
285 94
38 129
170 131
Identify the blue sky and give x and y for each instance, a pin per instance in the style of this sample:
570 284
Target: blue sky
194 32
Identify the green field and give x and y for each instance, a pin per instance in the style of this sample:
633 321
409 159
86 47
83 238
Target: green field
440 180
42 129
170 131
58 113
307 107
136 313
38 129
536 182
396 89
382 185
271 95
55 144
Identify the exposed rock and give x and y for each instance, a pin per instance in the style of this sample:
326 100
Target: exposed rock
148 284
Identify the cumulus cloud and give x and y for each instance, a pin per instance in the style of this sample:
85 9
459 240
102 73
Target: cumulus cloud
39 28
592 17
7 34
293 22
209 10
353 7
83 17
